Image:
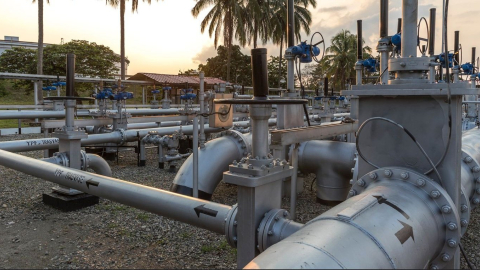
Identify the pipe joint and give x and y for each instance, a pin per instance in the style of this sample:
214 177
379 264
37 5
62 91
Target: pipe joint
275 227
439 201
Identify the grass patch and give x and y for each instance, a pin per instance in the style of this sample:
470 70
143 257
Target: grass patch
143 217
207 248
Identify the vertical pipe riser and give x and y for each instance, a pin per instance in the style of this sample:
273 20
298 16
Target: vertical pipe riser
433 22
409 28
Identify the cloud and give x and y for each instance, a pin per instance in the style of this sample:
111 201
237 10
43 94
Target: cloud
333 9
205 53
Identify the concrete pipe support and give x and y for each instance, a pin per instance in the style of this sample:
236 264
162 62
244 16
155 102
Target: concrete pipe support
196 212
214 159
400 219
332 163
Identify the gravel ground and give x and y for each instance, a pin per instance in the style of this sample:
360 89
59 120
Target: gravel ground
111 235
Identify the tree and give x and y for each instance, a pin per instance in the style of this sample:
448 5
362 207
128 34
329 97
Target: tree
116 3
274 76
92 60
240 63
339 62
189 72
278 20
40 47
226 15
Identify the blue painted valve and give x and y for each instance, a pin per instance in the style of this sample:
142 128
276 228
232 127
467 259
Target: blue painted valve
167 88
441 57
59 83
188 94
49 88
305 52
467 68
155 91
121 96
370 64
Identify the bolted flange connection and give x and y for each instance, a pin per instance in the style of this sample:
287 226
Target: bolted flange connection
239 138
475 171
231 226
439 198
275 227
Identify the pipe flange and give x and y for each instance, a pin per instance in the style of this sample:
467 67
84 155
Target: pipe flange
438 196
123 134
475 170
268 233
83 160
62 156
231 226
464 211
239 138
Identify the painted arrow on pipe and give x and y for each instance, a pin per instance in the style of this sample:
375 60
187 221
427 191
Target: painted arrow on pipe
206 211
382 200
90 182
405 233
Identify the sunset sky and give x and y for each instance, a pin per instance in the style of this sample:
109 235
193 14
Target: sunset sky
164 37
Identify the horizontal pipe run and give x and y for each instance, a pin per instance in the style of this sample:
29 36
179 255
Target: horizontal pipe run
196 212
365 232
112 137
5 114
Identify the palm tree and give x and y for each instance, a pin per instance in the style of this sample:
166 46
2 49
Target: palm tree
226 15
116 3
278 22
339 63
40 49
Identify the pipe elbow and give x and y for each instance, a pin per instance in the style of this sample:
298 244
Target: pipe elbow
99 165
213 160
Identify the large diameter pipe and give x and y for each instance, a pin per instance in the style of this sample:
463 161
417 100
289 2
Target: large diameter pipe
433 22
383 18
213 160
332 164
196 212
409 28
365 232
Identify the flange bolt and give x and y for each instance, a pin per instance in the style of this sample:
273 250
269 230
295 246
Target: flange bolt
452 226
435 194
388 173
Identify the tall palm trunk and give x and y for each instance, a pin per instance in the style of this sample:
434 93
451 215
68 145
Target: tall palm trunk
280 64
229 32
40 51
122 39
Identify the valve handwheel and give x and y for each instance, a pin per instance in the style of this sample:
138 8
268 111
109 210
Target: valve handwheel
316 44
422 49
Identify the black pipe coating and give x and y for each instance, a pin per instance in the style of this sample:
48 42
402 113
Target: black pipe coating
259 72
359 40
325 87
399 25
383 18
431 41
290 24
70 74
456 48
474 56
